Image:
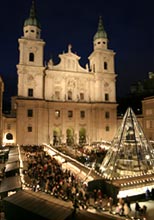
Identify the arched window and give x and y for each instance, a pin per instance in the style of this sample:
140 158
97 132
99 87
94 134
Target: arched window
105 65
9 136
31 57
70 137
82 136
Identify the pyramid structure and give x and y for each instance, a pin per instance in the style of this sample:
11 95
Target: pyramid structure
131 154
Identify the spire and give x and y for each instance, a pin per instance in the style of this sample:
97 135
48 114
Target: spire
33 10
32 20
101 33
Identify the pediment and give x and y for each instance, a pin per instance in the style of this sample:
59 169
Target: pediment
69 61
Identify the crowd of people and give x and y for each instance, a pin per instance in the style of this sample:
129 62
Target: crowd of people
45 173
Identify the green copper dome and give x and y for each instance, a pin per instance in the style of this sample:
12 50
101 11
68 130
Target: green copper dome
32 20
101 33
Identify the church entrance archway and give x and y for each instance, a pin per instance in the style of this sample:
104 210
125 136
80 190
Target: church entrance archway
56 136
82 136
70 137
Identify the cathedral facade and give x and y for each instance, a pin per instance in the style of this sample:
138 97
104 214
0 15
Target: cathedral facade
64 103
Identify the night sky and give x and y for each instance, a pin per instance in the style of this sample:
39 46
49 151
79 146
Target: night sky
129 26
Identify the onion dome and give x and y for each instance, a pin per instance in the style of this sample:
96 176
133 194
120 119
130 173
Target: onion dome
101 33
32 20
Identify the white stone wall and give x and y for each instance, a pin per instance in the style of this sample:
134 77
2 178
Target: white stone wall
44 122
64 87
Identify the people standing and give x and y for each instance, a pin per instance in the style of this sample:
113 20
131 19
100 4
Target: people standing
137 209
127 201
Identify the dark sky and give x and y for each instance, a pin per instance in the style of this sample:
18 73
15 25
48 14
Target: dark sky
129 25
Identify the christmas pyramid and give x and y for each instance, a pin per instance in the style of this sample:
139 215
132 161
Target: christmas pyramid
130 154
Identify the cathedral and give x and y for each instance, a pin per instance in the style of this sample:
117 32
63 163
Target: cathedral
62 103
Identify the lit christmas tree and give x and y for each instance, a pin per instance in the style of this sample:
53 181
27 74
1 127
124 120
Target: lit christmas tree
131 154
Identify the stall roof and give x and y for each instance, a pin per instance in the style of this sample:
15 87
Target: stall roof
12 166
13 158
13 149
27 204
5 149
10 184
44 206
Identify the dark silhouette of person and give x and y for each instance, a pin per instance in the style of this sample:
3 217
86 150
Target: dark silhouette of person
137 208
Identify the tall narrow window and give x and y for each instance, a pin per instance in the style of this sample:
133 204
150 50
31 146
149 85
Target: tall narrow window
57 95
69 95
29 128
107 128
57 114
105 65
31 57
70 114
30 113
106 97
30 92
81 96
82 114
107 114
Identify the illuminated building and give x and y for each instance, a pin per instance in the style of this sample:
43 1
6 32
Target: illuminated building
148 112
64 103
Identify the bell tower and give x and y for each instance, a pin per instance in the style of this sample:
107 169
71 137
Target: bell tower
102 65
31 54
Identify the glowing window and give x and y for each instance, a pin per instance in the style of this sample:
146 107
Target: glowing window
57 113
